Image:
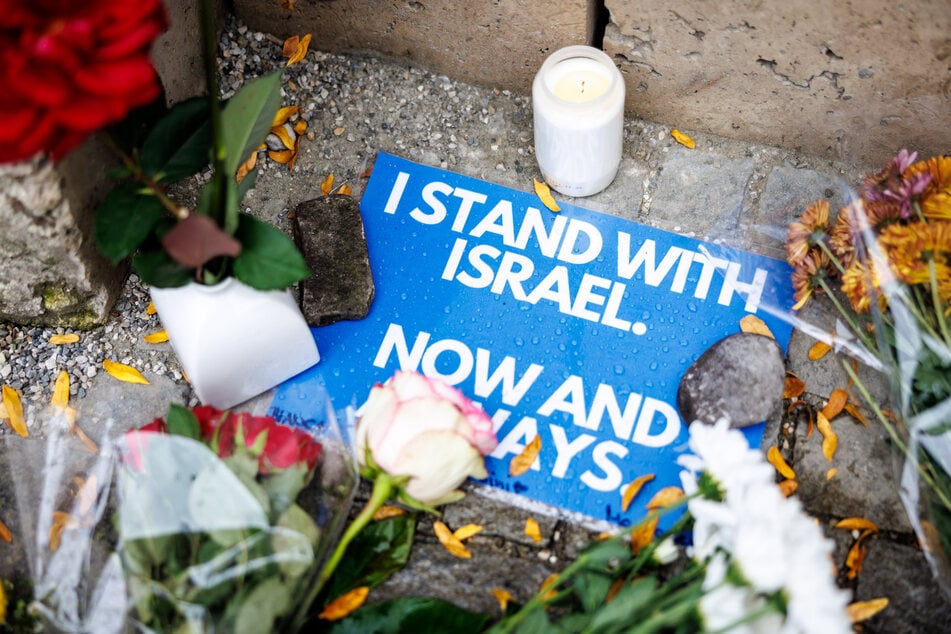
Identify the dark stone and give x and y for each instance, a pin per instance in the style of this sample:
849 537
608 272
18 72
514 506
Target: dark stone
740 378
329 232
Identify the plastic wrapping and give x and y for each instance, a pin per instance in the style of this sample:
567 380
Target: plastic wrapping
159 533
884 261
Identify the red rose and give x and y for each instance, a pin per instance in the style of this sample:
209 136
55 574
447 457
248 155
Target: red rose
69 68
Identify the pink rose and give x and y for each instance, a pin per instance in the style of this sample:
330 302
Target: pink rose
420 427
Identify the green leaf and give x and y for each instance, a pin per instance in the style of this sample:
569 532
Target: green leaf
257 612
283 486
411 614
124 220
626 606
157 269
269 260
180 143
379 550
247 118
297 543
182 422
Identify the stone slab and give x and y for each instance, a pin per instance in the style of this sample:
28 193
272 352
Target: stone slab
826 78
916 605
701 194
329 233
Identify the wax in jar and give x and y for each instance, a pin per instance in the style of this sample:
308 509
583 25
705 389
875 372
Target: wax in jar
581 85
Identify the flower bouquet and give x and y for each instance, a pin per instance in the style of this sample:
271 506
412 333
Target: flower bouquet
218 528
888 254
758 563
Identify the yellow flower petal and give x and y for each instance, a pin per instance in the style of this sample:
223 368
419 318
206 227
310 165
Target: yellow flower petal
862 610
150 309
345 190
755 325
788 487
295 48
533 530
281 156
450 542
281 133
794 387
831 473
665 497
61 391
59 340
643 533
5 533
345 604
632 489
836 403
14 408
465 532
524 461
829 438
283 114
123 372
775 458
503 596
327 185
245 168
857 524
159 336
683 139
386 511
818 350
544 194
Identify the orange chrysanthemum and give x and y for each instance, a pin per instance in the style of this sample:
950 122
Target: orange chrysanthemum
860 283
809 276
935 200
811 229
914 249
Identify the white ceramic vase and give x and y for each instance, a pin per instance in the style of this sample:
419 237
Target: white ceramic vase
234 341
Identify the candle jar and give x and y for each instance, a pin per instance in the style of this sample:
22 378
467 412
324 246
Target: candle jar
578 111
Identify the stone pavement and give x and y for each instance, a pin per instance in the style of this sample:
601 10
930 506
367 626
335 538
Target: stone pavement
724 190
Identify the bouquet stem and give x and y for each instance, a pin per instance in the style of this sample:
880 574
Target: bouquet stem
383 487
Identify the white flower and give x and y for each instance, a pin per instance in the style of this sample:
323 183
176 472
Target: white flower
772 544
724 604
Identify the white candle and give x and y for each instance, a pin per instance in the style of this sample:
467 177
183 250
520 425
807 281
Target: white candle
578 111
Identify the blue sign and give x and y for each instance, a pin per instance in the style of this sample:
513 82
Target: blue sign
575 326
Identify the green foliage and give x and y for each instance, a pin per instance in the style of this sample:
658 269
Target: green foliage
138 213
125 219
247 118
182 422
269 260
179 144
413 614
380 549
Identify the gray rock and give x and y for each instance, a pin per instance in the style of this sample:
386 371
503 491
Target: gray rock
329 232
739 378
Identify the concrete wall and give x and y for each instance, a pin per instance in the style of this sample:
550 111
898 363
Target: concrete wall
854 80
497 43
